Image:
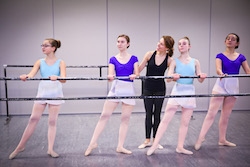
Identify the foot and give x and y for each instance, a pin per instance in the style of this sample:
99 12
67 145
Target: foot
89 149
150 151
160 147
184 151
144 145
123 150
15 153
227 143
197 145
53 154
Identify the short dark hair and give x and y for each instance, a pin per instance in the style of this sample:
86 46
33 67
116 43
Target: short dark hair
126 37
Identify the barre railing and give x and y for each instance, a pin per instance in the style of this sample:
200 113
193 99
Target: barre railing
16 66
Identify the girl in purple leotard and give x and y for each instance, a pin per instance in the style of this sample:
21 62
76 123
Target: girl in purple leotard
227 63
123 64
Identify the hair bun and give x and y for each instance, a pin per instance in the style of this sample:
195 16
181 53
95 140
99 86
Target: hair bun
58 43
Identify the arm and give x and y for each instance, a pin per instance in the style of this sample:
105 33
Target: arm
198 71
62 71
145 60
246 67
171 72
170 59
136 71
33 72
111 74
218 63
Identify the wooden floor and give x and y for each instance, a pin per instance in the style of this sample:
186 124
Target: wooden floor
74 133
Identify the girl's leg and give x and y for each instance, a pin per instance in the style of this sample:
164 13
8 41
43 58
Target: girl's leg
157 115
34 118
126 113
53 115
148 104
214 106
185 118
169 113
108 108
225 114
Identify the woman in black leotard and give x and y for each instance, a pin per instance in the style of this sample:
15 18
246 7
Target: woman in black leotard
157 62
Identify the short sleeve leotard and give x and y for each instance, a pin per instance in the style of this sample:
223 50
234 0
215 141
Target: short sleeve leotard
123 87
230 67
124 70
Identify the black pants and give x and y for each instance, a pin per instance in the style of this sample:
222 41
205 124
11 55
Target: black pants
152 107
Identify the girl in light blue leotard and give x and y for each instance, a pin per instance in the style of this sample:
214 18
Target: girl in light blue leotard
183 65
53 68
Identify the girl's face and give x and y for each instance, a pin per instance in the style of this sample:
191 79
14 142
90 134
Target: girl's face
183 45
122 43
231 41
161 46
47 48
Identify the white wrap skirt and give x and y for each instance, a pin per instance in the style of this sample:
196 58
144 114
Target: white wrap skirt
183 89
227 86
50 89
122 88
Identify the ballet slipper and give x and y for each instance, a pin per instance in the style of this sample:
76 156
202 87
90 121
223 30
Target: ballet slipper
89 149
160 147
144 145
150 151
15 153
53 154
227 143
197 145
123 150
184 151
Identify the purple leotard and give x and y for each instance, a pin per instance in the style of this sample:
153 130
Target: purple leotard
124 70
229 66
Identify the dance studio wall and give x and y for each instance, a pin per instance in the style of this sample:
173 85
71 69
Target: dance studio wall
88 30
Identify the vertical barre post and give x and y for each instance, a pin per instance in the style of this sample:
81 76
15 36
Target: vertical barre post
100 68
6 91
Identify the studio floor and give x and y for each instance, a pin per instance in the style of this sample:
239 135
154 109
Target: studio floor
75 131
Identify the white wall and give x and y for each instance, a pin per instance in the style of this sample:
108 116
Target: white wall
88 30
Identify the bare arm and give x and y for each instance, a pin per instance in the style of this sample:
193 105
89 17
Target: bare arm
145 60
198 71
170 59
111 74
136 71
246 67
33 72
218 63
62 71
171 72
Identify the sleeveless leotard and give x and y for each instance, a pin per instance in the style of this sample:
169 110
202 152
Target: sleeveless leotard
50 89
184 86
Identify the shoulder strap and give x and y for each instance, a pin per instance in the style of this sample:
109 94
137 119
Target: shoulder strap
167 59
